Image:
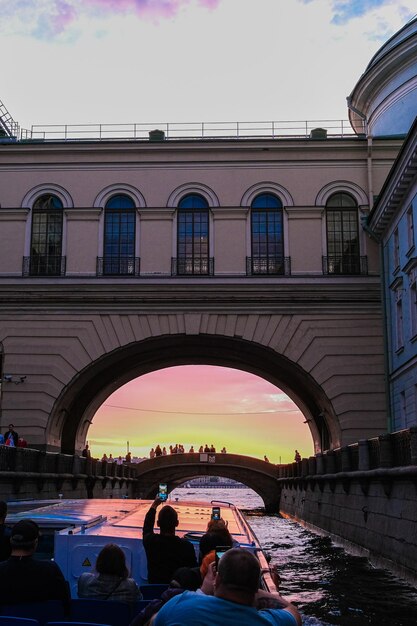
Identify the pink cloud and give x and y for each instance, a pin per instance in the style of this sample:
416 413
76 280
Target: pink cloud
55 17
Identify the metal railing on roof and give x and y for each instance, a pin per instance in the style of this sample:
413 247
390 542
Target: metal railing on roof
9 129
315 129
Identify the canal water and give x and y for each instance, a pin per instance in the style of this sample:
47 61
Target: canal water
328 585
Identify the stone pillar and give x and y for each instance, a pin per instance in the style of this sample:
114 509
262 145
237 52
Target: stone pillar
330 462
319 464
304 467
385 451
363 452
76 464
346 465
413 444
312 465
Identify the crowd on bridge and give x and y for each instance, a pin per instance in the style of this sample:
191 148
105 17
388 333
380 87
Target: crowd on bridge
199 588
12 439
178 448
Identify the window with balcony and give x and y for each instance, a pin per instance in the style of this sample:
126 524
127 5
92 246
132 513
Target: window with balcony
343 255
413 309
119 238
46 238
410 229
193 237
399 321
267 241
396 251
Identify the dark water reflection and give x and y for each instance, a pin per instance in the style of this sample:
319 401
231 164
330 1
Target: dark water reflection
328 585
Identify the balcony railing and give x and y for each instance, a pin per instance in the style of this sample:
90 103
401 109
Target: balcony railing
271 266
272 129
44 265
118 266
192 266
345 264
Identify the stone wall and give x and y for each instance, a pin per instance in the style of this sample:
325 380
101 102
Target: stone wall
27 474
372 512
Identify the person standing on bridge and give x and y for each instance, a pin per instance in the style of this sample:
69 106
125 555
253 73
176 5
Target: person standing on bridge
11 437
165 552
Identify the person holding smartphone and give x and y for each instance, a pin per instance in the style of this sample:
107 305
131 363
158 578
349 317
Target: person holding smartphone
165 552
217 535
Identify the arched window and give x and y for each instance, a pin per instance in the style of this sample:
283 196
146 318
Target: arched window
267 236
193 236
119 237
46 239
343 256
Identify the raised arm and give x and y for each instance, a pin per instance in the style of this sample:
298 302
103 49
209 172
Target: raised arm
149 521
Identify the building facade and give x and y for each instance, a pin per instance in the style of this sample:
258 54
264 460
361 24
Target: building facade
123 255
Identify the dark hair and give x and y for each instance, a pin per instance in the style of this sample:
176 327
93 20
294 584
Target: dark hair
167 519
240 570
3 509
111 560
24 534
186 578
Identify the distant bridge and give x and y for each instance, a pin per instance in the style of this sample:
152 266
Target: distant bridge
175 469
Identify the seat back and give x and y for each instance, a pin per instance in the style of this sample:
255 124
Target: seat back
111 612
43 612
74 624
9 620
151 592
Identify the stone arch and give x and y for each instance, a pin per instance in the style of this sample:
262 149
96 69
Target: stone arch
267 187
189 188
45 188
340 186
74 409
175 469
120 188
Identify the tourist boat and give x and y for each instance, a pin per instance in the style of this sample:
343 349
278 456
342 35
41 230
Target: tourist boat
74 531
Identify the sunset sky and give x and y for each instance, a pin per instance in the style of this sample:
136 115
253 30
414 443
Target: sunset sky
198 404
114 61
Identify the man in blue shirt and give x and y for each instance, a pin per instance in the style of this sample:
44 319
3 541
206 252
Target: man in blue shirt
237 599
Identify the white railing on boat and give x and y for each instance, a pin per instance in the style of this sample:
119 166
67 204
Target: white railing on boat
319 129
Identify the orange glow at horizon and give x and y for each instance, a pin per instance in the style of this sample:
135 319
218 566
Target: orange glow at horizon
198 405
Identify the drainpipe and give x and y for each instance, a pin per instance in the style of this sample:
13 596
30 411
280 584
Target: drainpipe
376 238
369 155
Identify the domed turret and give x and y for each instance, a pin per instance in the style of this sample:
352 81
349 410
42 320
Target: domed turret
384 100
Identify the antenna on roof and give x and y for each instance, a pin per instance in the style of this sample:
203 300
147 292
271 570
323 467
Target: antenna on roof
8 127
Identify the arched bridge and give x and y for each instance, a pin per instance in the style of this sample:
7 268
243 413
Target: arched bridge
175 469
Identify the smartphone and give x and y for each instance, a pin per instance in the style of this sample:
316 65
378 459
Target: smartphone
215 512
220 550
163 491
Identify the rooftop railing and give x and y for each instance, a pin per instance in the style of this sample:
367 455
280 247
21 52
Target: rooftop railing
314 129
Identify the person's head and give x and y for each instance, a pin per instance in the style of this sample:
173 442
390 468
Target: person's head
11 426
215 525
3 511
186 578
24 536
167 520
238 576
210 557
111 561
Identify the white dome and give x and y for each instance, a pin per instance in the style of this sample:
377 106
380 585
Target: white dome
385 96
